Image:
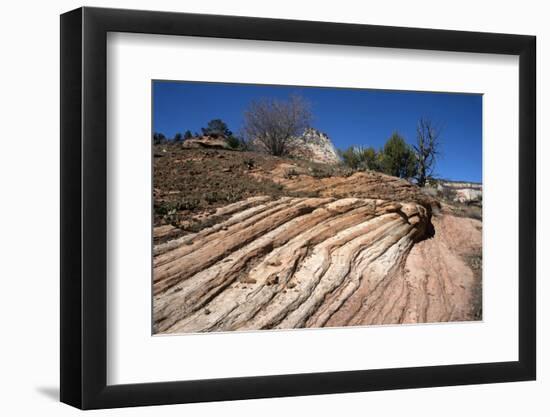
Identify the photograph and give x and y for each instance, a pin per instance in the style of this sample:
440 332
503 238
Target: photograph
286 207
267 209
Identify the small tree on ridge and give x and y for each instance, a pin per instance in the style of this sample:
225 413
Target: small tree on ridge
427 149
398 158
272 124
216 128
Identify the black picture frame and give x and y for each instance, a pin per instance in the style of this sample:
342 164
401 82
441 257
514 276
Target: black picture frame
84 207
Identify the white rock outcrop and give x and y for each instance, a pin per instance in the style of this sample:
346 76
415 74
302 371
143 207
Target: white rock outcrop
315 146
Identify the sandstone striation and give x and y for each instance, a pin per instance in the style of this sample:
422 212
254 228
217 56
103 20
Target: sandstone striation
312 262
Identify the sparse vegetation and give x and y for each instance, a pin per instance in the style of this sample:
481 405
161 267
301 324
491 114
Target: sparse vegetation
237 143
396 158
190 181
322 171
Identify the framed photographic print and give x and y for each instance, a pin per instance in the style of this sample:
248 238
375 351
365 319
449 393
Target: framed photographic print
257 207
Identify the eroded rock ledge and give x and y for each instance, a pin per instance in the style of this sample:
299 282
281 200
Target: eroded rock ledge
292 262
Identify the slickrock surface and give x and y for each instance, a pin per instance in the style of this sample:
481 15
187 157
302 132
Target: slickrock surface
438 282
314 262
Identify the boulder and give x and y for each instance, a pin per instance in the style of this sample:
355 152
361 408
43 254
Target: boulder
206 142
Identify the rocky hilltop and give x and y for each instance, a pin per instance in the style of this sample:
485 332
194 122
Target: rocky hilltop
312 146
320 249
315 146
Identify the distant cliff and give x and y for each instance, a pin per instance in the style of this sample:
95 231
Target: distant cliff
463 191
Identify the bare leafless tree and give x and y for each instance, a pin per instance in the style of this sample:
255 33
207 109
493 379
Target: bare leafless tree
272 125
427 149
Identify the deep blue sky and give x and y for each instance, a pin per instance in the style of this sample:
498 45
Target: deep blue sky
348 116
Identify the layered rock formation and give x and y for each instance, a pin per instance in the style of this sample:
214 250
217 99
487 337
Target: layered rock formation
286 263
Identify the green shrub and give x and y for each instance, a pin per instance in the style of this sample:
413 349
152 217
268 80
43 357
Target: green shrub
360 158
398 158
215 128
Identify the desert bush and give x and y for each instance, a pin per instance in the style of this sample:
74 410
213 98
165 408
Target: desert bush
212 197
360 158
163 209
322 171
167 211
233 142
170 208
237 143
